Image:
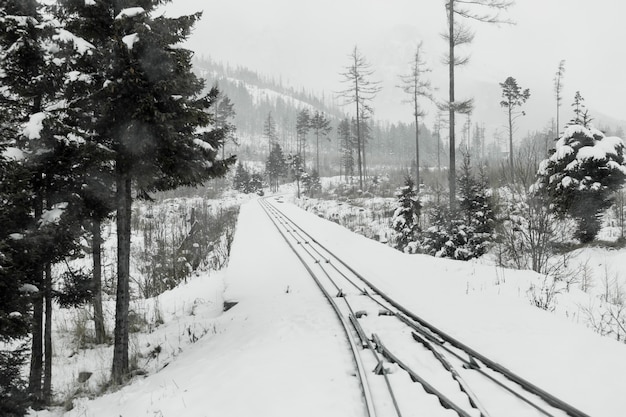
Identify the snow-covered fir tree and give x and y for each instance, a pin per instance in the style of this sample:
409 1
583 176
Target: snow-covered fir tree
581 176
405 220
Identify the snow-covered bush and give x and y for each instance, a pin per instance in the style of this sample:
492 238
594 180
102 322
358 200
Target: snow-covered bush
311 183
466 232
247 182
405 219
580 178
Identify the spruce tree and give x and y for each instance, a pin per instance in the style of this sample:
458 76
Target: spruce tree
275 166
580 178
405 219
320 126
151 116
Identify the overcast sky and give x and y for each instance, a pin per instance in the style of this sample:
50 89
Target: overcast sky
307 43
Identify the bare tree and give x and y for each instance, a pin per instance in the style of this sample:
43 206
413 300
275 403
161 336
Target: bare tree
415 86
360 92
513 98
558 90
487 11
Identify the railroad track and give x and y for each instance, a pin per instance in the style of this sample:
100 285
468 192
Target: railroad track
405 365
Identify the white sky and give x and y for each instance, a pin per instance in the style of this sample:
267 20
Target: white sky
307 45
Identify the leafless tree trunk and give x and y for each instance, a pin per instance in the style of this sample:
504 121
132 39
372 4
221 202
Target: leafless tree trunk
120 369
96 249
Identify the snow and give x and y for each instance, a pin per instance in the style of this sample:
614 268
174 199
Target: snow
13 153
16 236
80 45
53 215
130 12
129 40
28 288
90 2
32 129
280 350
204 145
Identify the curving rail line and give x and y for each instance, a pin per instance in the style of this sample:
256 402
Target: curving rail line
414 343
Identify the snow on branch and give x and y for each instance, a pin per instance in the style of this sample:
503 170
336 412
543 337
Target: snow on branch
130 12
32 129
53 215
80 45
129 40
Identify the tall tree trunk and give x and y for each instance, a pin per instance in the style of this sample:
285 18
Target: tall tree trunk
358 142
417 149
96 251
452 167
511 144
47 377
36 360
120 369
317 150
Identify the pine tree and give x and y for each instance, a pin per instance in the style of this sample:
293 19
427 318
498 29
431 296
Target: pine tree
558 91
241 178
224 112
360 91
405 219
468 230
311 183
269 131
296 167
416 87
275 166
458 35
303 125
151 117
513 97
320 126
346 147
581 176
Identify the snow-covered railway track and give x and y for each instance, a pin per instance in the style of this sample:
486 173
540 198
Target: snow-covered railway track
394 348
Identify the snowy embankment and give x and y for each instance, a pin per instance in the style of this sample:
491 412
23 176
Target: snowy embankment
280 350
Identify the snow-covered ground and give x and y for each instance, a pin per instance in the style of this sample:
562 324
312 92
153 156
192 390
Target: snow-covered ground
280 351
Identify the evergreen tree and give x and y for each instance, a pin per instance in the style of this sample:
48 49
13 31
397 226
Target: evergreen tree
466 232
296 167
303 125
269 131
405 219
477 209
513 97
416 87
320 126
458 35
311 183
360 91
580 178
151 117
224 112
346 147
275 166
241 178
32 100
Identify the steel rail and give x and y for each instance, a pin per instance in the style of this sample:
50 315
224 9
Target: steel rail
365 389
377 346
473 354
